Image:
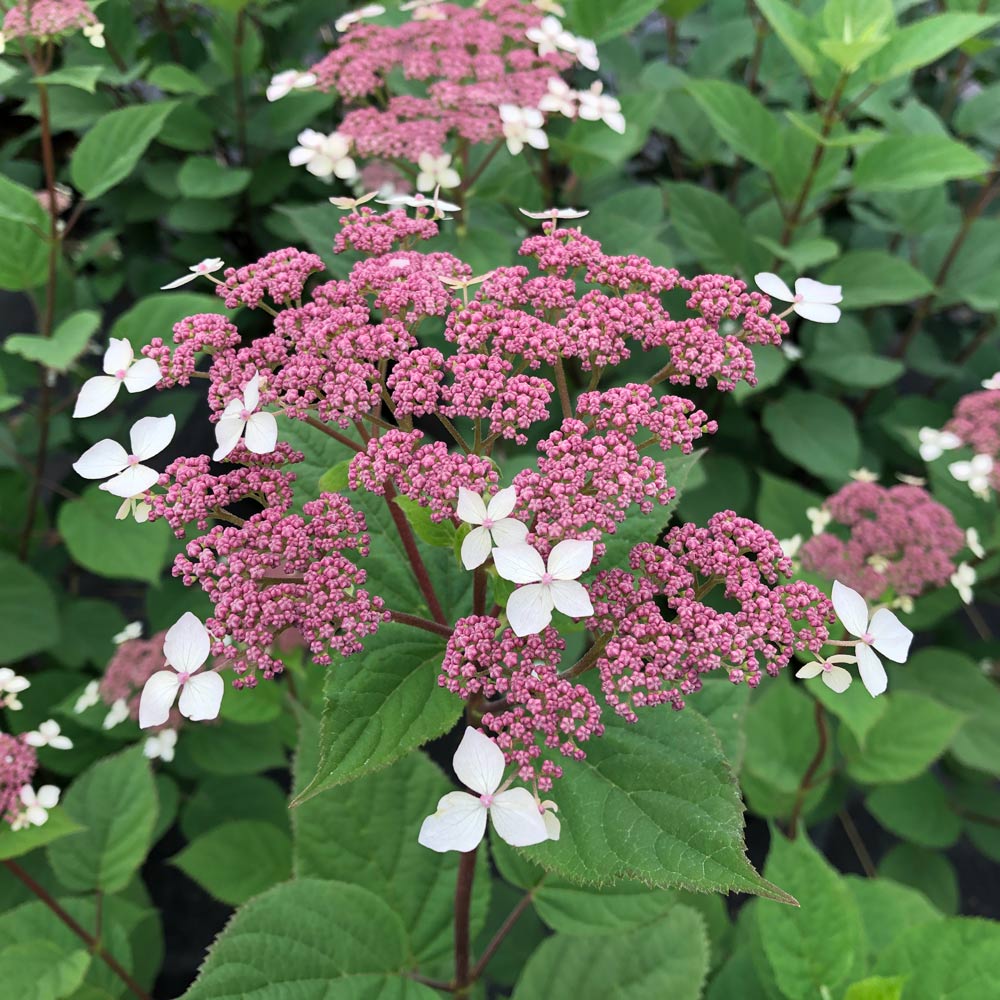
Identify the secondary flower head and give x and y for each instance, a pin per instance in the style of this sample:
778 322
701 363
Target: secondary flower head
129 477
200 270
120 368
494 525
596 106
436 172
883 631
523 127
976 472
186 648
459 823
811 299
284 83
547 585
36 806
48 735
11 685
323 155
934 443
242 415
963 580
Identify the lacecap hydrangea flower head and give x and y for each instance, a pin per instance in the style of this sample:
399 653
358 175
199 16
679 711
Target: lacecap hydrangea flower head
50 20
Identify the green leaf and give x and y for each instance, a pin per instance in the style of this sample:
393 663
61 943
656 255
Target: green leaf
15 843
712 229
811 950
310 940
855 707
854 369
156 315
115 801
335 479
653 801
176 79
928 872
81 77
237 860
116 549
912 162
234 749
18 204
205 177
602 21
887 909
815 432
876 278
41 970
743 123
109 151
222 799
68 341
912 734
795 32
24 261
876 988
380 704
918 811
667 958
432 532
803 255
838 137
27 609
782 505
92 623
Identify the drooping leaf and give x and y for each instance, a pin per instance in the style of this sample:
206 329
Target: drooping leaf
27 609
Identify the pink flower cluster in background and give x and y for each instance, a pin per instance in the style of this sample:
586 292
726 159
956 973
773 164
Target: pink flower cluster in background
48 19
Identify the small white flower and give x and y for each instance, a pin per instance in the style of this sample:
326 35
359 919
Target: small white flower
819 518
596 106
934 443
975 472
791 351
242 415
522 127
129 478
88 699
352 203
186 648
135 506
459 823
556 213
200 270
863 475
836 678
963 580
555 585
552 825
323 155
11 685
131 631
419 201
436 172
993 382
550 36
494 526
973 543
36 806
117 714
911 480
586 53
354 16
94 33
811 299
120 368
791 546
884 631
560 98
550 7
161 745
48 735
904 603
282 84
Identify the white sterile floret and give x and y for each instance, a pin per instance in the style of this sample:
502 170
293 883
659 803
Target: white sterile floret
556 214
131 631
89 697
352 203
559 99
282 84
117 714
185 648
493 524
126 475
11 685
323 155
596 106
993 382
242 415
546 585
354 16
522 127
819 518
459 823
963 580
835 677
974 545
36 806
200 270
811 299
436 172
48 735
976 472
120 369
863 475
791 546
419 201
94 33
550 36
161 745
934 443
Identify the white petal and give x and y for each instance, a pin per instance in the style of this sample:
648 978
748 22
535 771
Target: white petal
201 697
501 504
177 282
471 508
516 818
251 394
134 480
837 679
478 762
106 458
890 636
519 563
476 547
298 156
529 609
552 825
809 670
48 796
144 374
157 698
571 598
570 558
151 435
262 433
817 312
228 432
458 825
816 291
872 671
509 531
118 356
187 644
36 815
61 743
771 285
851 609
96 394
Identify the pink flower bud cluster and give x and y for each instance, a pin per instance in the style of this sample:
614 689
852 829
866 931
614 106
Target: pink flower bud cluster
205 332
18 762
133 663
44 19
897 537
465 63
369 232
976 421
280 276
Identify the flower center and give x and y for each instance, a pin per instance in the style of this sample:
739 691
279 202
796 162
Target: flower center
183 677
133 459
797 298
487 801
547 578
120 374
827 666
245 414
488 523
867 638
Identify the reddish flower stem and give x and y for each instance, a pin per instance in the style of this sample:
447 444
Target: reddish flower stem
807 779
463 901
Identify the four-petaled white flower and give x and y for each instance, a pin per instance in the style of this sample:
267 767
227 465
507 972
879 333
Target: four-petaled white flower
94 33
811 299
556 213
596 106
522 127
835 677
242 414
117 714
200 270
585 51
185 648
323 155
352 203
884 631
547 586
48 735
973 543
819 518
459 823
560 98
436 172
282 84
120 368
963 580
550 36
11 685
128 476
131 631
161 745
88 698
354 16
976 472
993 382
934 443
494 526
36 806
419 201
